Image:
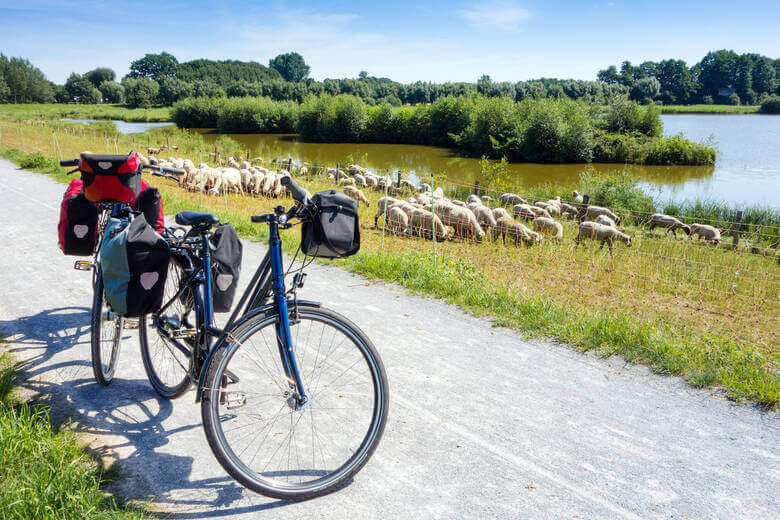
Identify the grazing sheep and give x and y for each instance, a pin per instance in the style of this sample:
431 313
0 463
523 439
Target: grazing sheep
462 219
669 222
303 170
473 199
529 212
385 203
360 180
511 199
406 183
595 211
347 181
245 165
567 210
500 213
484 215
577 197
397 221
605 234
153 151
231 180
371 180
422 223
708 233
552 209
355 169
256 160
233 164
487 199
354 193
459 203
605 221
548 226
507 226
437 194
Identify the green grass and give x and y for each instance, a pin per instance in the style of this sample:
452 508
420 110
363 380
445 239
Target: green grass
46 473
35 111
709 109
685 317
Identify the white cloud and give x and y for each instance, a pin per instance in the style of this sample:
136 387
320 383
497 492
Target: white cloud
500 14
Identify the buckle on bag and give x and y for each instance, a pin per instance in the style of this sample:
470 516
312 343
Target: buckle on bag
83 265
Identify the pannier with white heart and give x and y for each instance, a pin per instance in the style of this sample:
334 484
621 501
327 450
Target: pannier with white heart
134 264
77 228
226 257
114 178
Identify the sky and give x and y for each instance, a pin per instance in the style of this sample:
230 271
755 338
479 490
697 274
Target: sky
404 40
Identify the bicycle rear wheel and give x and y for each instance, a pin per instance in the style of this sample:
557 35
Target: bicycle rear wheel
258 432
167 366
106 329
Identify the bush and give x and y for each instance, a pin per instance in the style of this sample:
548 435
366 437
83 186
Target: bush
617 190
332 119
771 105
172 90
140 92
112 92
707 100
256 115
734 99
624 117
197 112
36 161
449 117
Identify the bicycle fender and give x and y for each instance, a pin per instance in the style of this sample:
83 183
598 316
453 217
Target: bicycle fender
266 309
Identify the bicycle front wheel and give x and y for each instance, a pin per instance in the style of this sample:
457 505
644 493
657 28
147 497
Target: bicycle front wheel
257 429
106 331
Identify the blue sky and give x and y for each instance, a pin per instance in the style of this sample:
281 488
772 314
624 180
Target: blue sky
403 40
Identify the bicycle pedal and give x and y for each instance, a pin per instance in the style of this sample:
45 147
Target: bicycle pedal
130 323
233 400
184 333
83 265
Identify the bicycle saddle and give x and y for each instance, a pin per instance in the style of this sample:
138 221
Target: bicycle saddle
196 218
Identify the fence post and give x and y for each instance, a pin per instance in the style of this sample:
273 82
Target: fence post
398 182
148 142
736 227
583 208
384 223
433 223
167 143
476 188
216 155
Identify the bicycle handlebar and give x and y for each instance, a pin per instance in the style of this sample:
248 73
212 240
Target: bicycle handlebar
163 170
298 193
72 162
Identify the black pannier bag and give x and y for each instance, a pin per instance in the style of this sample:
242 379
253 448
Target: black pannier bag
134 262
149 202
333 230
226 256
77 227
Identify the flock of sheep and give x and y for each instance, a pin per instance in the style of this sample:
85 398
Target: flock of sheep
427 213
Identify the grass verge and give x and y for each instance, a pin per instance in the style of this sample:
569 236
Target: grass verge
707 314
46 473
709 109
57 110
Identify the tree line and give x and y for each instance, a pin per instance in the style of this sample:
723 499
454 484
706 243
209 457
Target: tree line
160 79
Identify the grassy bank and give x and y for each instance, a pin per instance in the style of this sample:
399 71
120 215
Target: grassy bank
532 130
34 111
46 473
708 314
709 109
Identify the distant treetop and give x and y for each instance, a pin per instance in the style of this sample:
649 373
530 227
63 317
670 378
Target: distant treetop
291 66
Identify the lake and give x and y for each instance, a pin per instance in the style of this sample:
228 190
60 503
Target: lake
123 127
747 169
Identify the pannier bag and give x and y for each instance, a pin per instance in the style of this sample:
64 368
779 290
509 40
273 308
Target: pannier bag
227 254
134 262
149 203
111 177
333 231
77 228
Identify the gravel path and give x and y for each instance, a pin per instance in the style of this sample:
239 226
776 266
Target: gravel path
482 424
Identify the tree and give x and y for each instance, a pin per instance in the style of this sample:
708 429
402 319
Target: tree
25 83
205 88
140 92
81 90
764 79
716 70
291 66
609 75
743 77
5 92
363 74
154 66
112 92
99 75
646 90
90 96
172 90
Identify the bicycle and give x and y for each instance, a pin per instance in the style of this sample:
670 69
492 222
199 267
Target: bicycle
306 406
106 326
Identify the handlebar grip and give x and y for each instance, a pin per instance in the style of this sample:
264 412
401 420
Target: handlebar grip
175 171
72 162
298 193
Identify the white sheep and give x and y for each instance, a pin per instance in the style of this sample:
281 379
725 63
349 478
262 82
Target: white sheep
484 215
347 181
595 211
604 234
473 199
708 233
360 180
423 222
397 221
354 193
511 199
507 226
577 197
529 212
668 222
462 219
500 213
605 221
548 226
567 210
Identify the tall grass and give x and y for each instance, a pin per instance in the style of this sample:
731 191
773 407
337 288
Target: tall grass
709 109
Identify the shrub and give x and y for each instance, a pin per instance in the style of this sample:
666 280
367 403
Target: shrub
771 105
618 190
449 117
172 90
197 112
332 119
379 126
707 100
140 92
734 99
624 117
112 92
36 161
493 129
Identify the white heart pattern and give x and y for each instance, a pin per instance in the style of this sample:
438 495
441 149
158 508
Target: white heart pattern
149 279
224 281
104 165
80 230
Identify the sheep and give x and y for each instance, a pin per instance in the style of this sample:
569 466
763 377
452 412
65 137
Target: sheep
246 179
577 197
347 181
474 199
605 234
359 180
256 160
423 222
529 212
507 226
511 199
153 151
355 169
462 219
500 213
487 199
708 233
484 215
406 183
669 222
233 164
231 179
354 193
437 194
303 170
459 203
245 165
567 210
552 209
595 211
371 180
548 226
397 221
605 221
385 203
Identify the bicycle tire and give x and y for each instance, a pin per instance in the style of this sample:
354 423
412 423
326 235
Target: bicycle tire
167 368
216 399
104 330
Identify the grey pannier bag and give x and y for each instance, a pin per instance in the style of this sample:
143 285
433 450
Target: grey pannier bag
134 263
333 231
